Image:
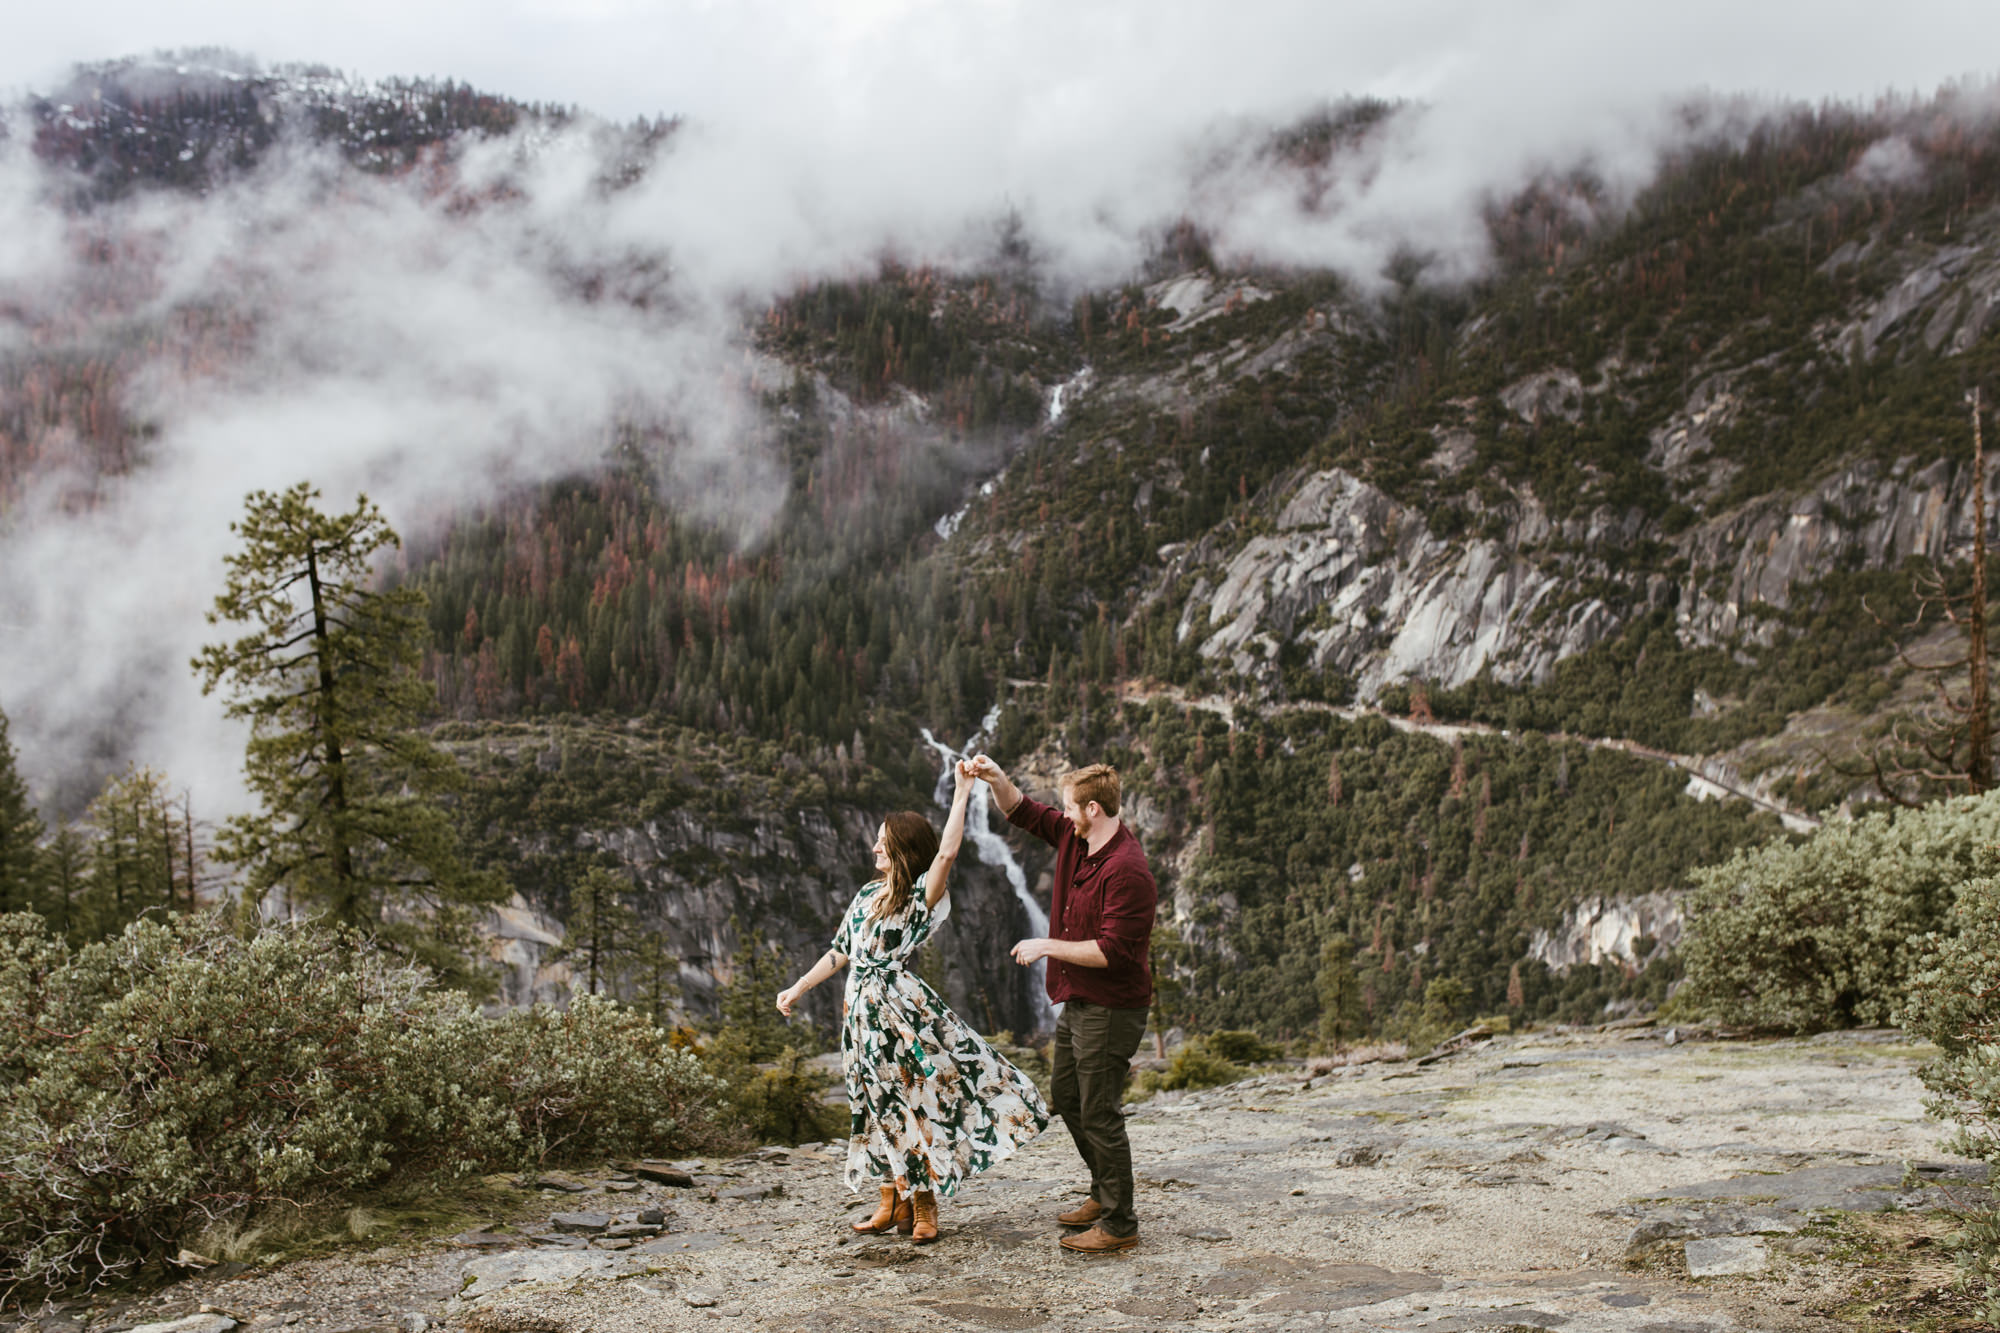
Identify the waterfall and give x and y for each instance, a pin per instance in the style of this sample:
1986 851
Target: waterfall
1063 390
991 847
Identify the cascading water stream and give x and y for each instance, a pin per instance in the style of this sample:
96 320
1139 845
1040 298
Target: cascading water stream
992 848
1056 404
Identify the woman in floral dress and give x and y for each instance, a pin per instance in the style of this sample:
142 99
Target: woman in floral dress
932 1103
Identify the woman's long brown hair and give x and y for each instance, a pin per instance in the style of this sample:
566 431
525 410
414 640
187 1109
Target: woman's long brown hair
911 844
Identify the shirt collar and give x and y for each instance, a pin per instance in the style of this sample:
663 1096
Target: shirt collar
1105 850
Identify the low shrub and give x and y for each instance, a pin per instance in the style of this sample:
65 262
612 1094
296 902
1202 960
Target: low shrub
1954 1001
779 1100
1818 934
178 1075
1240 1047
1421 1025
1193 1066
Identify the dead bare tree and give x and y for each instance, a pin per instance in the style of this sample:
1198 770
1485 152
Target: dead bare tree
1949 747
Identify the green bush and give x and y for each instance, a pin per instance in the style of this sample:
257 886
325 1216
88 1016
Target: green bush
780 1100
1240 1047
1955 1002
1193 1066
1818 934
176 1075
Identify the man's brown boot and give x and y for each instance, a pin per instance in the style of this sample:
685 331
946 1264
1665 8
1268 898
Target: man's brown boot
1082 1215
1098 1241
905 1219
924 1227
882 1218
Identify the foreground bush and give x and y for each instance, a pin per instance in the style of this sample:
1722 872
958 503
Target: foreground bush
1818 934
1955 1002
157 1082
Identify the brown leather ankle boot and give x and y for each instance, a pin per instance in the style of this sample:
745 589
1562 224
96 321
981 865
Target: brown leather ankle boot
882 1218
924 1209
905 1219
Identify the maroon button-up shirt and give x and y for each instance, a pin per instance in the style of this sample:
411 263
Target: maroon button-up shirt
1109 897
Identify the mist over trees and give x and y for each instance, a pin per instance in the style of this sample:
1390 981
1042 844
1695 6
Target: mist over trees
914 401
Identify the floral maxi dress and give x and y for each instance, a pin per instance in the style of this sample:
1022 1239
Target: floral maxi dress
931 1102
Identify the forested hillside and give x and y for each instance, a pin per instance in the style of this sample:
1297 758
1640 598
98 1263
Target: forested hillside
1657 477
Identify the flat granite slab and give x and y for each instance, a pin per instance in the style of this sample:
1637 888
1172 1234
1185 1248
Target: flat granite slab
1456 1198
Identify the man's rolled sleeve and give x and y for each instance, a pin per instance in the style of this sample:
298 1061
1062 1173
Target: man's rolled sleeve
1125 923
1044 821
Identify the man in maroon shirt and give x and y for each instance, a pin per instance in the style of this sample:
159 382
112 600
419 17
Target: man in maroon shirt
1101 922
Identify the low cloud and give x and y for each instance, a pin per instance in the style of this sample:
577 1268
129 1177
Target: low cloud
443 336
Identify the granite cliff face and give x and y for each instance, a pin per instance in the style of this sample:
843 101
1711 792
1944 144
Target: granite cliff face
1370 591
707 870
786 881
1597 930
1365 585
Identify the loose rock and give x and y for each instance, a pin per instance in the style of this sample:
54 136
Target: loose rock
1723 1256
660 1173
494 1271
194 1323
750 1193
588 1224
483 1240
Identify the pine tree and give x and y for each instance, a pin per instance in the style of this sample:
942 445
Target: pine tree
747 1000
350 823
64 901
20 834
601 937
1948 748
654 975
133 849
1340 1010
1169 958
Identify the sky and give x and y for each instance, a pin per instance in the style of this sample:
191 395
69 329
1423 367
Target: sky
436 360
625 58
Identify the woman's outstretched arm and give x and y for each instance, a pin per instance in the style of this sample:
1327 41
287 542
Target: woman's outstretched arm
830 962
953 837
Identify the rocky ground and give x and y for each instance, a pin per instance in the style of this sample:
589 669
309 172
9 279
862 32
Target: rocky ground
1612 1180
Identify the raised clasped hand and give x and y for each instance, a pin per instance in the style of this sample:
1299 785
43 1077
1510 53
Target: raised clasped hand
786 999
1029 951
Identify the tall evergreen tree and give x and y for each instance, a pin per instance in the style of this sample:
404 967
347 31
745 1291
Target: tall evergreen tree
351 824
601 938
1340 1012
64 901
756 974
134 851
655 975
20 834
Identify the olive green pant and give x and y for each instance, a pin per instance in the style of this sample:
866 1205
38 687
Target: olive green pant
1093 1058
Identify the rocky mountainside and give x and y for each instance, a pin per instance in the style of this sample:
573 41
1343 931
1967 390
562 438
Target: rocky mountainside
1643 482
